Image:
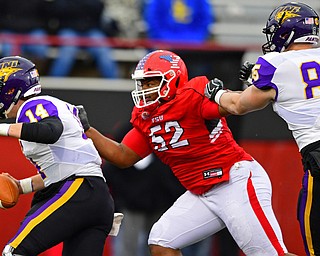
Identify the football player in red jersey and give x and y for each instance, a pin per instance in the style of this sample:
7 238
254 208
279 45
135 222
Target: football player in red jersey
225 186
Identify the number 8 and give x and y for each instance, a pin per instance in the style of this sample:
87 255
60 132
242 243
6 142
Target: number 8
310 74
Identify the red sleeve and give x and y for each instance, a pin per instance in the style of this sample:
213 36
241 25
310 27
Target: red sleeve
137 142
209 109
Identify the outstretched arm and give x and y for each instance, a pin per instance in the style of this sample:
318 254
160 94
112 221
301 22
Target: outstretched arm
249 100
239 103
116 153
47 130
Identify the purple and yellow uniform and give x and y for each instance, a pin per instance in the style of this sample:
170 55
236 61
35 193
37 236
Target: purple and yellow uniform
295 75
75 206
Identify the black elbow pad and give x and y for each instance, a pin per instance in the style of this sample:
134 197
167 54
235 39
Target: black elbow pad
46 131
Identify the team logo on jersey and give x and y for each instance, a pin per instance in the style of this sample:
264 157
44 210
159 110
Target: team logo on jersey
145 115
157 119
287 12
212 173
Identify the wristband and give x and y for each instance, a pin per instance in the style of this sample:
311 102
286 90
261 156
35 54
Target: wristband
218 96
4 129
26 185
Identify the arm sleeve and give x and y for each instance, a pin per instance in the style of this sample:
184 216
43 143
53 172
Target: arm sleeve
210 110
265 73
47 130
137 142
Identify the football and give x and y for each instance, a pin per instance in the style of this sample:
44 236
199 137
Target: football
9 192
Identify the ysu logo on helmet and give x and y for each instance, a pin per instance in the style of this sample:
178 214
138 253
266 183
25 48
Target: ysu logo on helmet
166 57
173 60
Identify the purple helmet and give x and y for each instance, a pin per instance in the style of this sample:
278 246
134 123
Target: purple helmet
290 23
19 78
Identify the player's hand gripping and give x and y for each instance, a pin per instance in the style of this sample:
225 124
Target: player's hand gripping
83 117
214 90
245 72
15 181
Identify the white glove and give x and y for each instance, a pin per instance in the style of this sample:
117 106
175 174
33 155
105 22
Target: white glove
117 218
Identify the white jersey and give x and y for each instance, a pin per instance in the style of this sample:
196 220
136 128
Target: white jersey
72 154
295 75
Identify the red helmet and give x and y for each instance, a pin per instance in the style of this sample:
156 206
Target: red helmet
164 64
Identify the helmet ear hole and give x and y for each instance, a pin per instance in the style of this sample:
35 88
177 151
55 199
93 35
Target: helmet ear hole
284 36
177 82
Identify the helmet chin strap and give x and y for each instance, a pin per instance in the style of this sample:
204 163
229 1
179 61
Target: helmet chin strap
6 112
14 102
286 44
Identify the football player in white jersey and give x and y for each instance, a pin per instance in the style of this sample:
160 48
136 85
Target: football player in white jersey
72 203
288 76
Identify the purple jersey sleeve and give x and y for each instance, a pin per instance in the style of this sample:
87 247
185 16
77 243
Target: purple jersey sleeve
36 110
265 73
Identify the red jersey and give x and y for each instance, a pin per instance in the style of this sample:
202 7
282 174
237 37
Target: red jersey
189 135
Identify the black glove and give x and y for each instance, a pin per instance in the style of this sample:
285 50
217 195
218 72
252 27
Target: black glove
245 71
83 117
211 89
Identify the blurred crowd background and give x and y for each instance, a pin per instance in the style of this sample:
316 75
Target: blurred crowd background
105 38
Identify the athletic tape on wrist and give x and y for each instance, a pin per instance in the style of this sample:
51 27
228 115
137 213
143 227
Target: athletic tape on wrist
218 96
4 129
26 185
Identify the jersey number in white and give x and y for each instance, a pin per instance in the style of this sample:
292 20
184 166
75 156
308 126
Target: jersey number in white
175 141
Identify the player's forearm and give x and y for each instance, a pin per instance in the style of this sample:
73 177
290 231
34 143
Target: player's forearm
47 130
247 101
109 149
12 130
37 182
28 185
230 101
31 184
